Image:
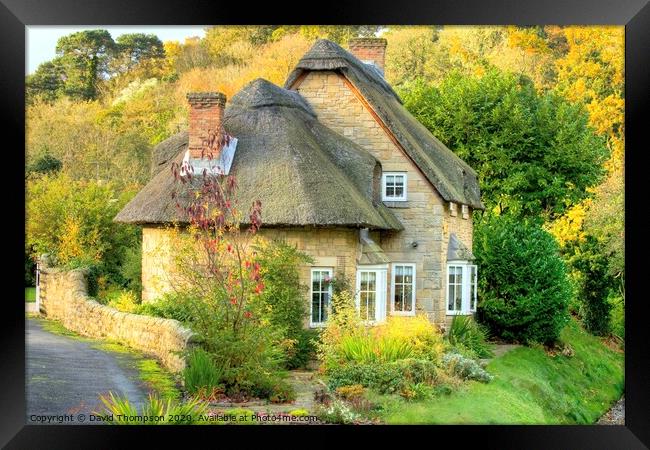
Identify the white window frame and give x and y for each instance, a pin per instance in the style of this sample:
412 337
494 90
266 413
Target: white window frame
404 195
329 271
381 291
392 290
468 287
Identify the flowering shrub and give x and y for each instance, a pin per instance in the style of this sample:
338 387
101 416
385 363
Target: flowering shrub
346 339
219 278
465 368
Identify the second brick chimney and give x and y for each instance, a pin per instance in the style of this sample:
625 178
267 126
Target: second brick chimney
206 115
369 50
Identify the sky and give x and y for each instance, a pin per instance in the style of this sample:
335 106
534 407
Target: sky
41 40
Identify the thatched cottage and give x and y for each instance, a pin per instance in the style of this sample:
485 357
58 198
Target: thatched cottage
346 174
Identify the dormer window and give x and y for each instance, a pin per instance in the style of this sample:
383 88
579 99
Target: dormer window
393 187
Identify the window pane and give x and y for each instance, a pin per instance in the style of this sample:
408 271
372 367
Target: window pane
459 275
390 191
399 191
399 295
459 298
371 280
325 304
390 179
315 308
451 295
371 306
408 298
408 274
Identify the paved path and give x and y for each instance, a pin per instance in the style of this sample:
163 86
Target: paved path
66 375
615 415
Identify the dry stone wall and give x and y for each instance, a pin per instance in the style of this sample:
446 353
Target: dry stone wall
64 297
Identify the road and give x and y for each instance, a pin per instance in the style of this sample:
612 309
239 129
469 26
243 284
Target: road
66 375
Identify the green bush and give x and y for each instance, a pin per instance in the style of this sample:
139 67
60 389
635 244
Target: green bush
595 284
131 269
465 332
304 349
618 316
172 305
72 221
384 377
282 301
523 287
201 373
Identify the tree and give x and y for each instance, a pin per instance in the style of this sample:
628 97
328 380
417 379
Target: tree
138 52
47 82
535 154
84 56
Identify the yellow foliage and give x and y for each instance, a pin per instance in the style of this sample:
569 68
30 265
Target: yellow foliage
423 336
126 301
569 227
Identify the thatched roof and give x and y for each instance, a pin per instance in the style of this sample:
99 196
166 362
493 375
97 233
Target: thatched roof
301 171
451 176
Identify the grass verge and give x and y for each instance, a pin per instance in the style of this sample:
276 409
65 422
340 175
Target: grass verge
530 387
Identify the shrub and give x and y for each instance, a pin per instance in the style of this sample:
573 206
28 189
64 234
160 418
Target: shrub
418 370
351 391
346 339
417 391
424 338
385 378
172 412
201 373
125 301
618 316
595 284
337 411
465 332
465 368
72 221
172 305
131 269
368 349
523 285
304 349
283 298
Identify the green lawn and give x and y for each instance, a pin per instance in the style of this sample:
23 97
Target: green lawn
30 294
529 387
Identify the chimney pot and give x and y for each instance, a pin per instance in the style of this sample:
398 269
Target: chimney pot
369 50
206 116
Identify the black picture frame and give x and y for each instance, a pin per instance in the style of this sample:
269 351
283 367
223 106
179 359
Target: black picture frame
634 14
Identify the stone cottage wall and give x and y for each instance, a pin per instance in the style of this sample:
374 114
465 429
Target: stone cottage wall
335 248
423 214
64 297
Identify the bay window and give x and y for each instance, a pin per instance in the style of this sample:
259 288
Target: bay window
461 288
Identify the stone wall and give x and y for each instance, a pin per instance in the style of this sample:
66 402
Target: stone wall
64 297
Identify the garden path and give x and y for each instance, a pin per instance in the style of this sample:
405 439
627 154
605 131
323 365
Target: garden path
66 375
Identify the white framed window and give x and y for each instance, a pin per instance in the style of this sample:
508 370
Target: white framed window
461 288
393 186
403 289
371 293
321 293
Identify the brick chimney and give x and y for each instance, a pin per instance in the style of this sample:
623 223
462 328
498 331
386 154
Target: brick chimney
206 114
369 50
